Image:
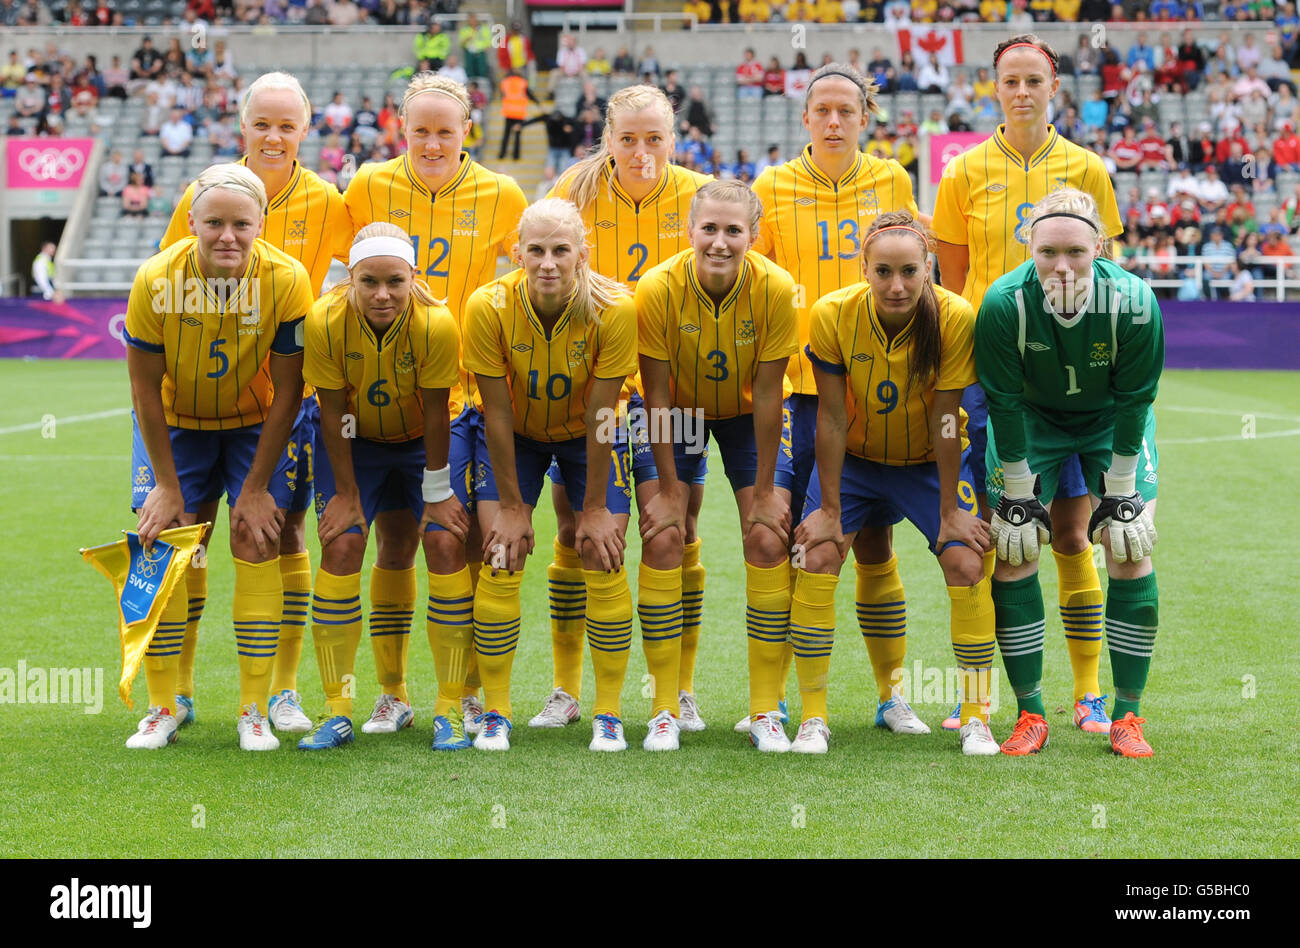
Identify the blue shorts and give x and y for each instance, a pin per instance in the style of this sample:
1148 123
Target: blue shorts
633 429
1071 484
735 437
801 419
467 454
208 463
301 449
883 494
389 476
532 458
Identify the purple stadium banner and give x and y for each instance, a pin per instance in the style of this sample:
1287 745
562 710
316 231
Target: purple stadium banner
1202 335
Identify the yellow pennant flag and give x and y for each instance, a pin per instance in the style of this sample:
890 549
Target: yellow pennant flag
144 580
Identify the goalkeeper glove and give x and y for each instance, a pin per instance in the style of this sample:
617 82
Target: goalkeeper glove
1020 523
1132 531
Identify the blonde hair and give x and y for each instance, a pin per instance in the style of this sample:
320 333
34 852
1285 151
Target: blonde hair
584 177
1067 201
230 176
419 289
423 83
729 191
592 292
269 81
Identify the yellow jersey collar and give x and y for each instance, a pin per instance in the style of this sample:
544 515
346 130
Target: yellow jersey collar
192 271
392 332
878 327
418 183
621 195
534 320
693 281
811 169
294 177
1000 140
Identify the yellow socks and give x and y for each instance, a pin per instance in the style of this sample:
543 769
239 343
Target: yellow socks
162 658
196 585
692 614
767 624
1082 607
659 606
990 561
451 634
392 605
259 601
295 575
973 644
568 617
788 657
336 633
812 633
496 634
882 616
473 682
609 630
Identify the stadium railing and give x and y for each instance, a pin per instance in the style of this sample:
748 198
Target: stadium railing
1286 273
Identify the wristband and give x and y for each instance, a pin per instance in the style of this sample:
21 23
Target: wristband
1121 479
1017 479
437 485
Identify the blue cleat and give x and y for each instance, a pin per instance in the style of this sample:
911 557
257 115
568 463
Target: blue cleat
449 732
185 710
1090 714
784 714
328 732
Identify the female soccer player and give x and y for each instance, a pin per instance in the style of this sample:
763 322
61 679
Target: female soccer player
1069 349
460 217
550 346
213 326
891 357
305 218
984 199
815 210
716 328
634 205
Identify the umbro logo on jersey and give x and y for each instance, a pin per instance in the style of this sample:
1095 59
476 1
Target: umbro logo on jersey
1038 347
805 201
399 214
995 188
604 225
191 321
861 357
355 355
522 347
688 327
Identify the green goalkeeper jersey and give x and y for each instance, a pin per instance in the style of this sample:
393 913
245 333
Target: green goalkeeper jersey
1098 368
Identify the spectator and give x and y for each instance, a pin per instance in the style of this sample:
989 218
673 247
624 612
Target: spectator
673 89
188 94
1274 69
648 64
344 13
961 94
906 76
1249 54
1275 245
365 122
571 59
698 149
1222 261
223 63
433 45
755 11
1204 148
934 125
147 62
331 152
879 144
774 158
749 76
174 58
1223 151
742 169
906 125
12 74
29 101
624 65
1126 153
43 272
796 78
599 64
1248 255
1243 287
1087 57
1142 52
1189 290
15 127
515 96
880 62
559 141
318 13
1068 126
1185 214
338 115
1212 194
1191 62
1153 146
475 40
517 52
222 135
135 197
697 113
774 78
1114 76
700 9
113 175
1182 184
115 78
141 167
453 70
589 100
1249 82
1286 109
1265 169
155 113
1146 110
933 76
587 132
175 135
1178 147
1132 204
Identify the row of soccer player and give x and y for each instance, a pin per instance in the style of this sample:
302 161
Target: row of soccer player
816 213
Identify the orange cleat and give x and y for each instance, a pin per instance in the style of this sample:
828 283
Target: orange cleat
1028 737
1126 737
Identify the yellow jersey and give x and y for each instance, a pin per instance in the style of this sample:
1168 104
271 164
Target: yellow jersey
550 375
382 377
216 335
713 350
987 191
888 421
813 226
458 232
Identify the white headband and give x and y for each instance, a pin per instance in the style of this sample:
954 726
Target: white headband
381 247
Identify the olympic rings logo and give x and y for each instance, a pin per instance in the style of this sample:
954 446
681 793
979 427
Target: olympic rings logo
51 164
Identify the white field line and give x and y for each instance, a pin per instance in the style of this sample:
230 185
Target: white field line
65 420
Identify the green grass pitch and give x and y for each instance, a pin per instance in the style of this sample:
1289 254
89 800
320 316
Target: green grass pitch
1221 703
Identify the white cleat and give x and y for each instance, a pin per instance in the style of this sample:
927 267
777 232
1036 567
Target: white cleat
494 734
607 734
254 731
742 726
286 714
665 733
977 740
561 708
897 715
688 713
390 715
812 738
767 734
156 731
471 709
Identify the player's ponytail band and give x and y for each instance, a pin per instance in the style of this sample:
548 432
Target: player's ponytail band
381 247
1077 217
1037 49
877 233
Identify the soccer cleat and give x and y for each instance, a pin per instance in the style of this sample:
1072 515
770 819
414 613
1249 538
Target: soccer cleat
1126 737
328 732
767 734
449 732
286 714
471 709
665 733
742 726
156 731
254 731
390 716
185 710
495 735
977 740
812 737
897 715
561 708
953 721
1090 714
607 734
688 712
1029 736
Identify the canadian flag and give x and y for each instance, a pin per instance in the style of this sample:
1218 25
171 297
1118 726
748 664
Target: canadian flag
943 41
